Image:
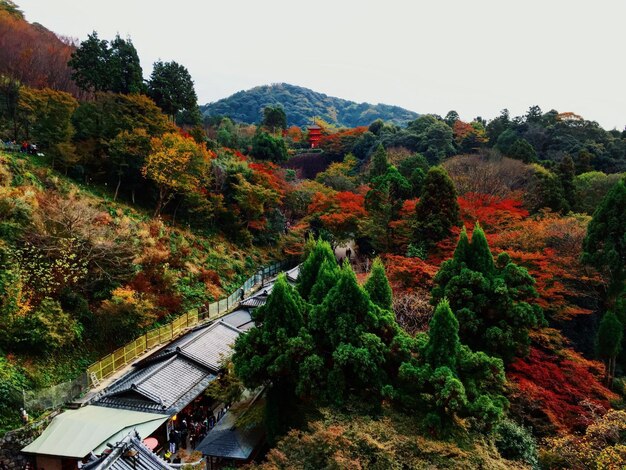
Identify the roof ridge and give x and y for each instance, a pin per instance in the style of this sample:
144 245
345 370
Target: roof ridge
181 347
134 385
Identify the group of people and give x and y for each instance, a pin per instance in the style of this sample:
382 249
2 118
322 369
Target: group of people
192 425
348 257
25 147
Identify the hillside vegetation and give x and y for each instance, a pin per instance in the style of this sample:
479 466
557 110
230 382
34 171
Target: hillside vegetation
477 321
302 105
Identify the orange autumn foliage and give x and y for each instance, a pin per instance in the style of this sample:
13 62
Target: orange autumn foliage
338 212
409 273
35 56
270 176
494 214
548 245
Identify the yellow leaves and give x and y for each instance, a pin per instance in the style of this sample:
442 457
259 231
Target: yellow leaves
176 164
602 446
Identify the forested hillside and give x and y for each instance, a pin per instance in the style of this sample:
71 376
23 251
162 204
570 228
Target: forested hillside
461 299
302 105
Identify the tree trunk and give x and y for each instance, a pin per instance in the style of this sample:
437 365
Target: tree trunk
117 189
157 210
175 211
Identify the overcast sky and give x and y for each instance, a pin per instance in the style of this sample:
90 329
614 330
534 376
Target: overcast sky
476 57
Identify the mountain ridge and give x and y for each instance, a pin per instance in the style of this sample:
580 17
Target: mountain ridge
303 104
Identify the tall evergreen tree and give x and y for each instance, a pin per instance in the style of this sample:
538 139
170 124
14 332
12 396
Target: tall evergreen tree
326 279
379 163
605 244
310 268
567 173
274 118
266 355
480 258
353 338
437 210
126 74
443 338
91 64
490 301
609 343
445 380
377 286
102 66
171 88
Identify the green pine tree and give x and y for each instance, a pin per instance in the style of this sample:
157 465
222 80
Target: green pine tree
605 244
462 251
480 257
437 210
270 354
311 266
353 338
443 380
379 163
609 343
377 286
443 338
327 277
491 302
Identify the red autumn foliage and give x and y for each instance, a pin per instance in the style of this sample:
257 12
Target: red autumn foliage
550 247
561 382
461 130
340 212
35 56
409 273
492 213
340 142
293 242
270 176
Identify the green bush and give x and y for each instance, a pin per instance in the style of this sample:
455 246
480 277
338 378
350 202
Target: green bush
47 328
12 381
516 443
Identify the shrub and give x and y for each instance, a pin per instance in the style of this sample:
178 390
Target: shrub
12 381
47 328
516 443
124 315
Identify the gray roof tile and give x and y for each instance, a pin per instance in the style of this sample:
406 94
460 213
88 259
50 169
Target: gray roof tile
119 459
171 378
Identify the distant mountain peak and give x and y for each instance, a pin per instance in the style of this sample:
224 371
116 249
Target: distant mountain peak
302 105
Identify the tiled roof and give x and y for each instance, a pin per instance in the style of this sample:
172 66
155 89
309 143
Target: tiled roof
238 318
258 298
292 274
230 441
210 347
129 454
171 378
254 302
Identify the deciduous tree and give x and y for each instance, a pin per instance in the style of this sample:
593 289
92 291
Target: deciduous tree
175 164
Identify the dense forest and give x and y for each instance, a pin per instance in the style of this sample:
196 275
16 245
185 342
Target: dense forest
301 105
478 322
